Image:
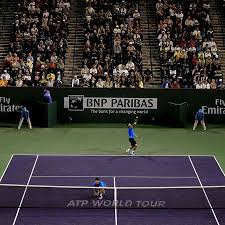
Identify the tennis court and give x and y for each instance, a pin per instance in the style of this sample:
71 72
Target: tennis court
141 190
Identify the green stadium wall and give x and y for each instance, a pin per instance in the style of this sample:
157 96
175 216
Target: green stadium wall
114 105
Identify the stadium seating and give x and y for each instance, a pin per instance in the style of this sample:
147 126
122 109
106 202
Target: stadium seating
188 52
38 43
112 45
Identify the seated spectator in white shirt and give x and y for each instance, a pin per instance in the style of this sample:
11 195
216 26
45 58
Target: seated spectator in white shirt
179 15
108 15
30 57
90 10
6 75
75 82
100 83
130 65
206 5
50 83
84 71
123 10
124 70
159 8
192 49
162 36
46 13
189 22
203 85
117 30
108 83
196 23
197 34
34 30
208 54
87 77
29 65
214 51
27 76
31 6
211 43
207 85
19 82
93 71
136 15
198 85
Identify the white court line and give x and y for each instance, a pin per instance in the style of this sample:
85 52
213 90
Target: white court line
115 200
56 155
203 189
124 188
219 166
148 177
24 193
7 166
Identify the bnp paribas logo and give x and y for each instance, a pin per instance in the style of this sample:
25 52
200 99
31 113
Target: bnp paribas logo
81 102
74 103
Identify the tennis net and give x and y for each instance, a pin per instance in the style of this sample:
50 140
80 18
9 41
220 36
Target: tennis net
43 196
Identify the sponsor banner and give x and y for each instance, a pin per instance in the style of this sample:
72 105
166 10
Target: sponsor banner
6 105
217 109
80 103
114 105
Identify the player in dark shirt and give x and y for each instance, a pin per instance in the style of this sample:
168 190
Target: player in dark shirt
199 117
24 115
132 135
100 191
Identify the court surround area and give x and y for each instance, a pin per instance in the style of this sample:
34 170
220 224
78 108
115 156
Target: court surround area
141 190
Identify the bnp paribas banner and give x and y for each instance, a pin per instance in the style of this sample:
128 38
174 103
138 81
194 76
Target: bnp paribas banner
109 105
114 105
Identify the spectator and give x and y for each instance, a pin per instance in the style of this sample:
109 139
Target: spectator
148 75
166 84
19 82
175 85
5 76
100 83
75 82
213 84
3 82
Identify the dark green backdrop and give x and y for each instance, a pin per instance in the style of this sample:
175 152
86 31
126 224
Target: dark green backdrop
194 99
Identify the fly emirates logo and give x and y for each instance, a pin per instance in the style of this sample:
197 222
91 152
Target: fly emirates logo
217 109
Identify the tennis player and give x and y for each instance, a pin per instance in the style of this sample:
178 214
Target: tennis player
100 191
132 135
199 117
24 115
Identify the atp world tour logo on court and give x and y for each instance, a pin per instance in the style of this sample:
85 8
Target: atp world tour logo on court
80 103
107 203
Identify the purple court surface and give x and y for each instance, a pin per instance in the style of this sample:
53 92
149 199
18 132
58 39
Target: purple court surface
141 190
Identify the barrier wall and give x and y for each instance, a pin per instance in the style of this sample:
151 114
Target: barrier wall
113 105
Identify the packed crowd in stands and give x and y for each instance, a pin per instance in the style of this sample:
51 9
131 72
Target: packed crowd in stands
188 53
36 52
112 53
